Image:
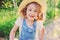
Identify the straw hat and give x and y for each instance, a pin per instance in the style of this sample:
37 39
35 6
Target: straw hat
41 2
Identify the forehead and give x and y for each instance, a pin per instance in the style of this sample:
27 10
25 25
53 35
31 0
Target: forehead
33 6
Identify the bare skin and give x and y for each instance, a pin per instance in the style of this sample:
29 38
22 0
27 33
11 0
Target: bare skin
41 34
13 31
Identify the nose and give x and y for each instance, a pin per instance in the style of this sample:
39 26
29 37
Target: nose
32 12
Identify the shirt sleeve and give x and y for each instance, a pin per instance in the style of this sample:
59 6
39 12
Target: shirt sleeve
40 25
18 22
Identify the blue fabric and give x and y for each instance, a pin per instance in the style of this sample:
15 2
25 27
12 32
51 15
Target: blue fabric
26 32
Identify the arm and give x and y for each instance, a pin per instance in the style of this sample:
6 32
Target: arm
13 31
40 30
41 34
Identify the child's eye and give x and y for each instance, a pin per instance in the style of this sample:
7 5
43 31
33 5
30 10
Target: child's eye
29 9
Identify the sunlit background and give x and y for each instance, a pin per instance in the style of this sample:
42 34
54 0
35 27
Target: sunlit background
8 15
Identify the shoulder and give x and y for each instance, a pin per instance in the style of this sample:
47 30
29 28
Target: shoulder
18 21
40 25
39 22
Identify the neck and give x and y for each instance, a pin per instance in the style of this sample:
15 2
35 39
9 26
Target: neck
29 22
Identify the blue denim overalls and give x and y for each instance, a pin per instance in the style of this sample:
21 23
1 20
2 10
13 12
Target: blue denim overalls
26 32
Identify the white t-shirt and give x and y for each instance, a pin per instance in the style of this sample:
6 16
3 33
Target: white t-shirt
18 22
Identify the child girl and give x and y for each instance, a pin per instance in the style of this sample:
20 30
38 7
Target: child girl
30 21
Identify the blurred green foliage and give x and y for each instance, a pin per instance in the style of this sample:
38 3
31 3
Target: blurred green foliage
9 3
7 20
50 14
51 9
8 15
58 6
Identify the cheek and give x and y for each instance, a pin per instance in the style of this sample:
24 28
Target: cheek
36 15
27 12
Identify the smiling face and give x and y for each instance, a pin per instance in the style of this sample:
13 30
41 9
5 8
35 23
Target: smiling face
31 12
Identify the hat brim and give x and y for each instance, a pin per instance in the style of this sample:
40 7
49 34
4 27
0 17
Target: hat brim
41 2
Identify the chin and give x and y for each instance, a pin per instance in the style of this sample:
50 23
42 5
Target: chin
31 18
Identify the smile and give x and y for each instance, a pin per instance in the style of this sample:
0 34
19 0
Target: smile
31 16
